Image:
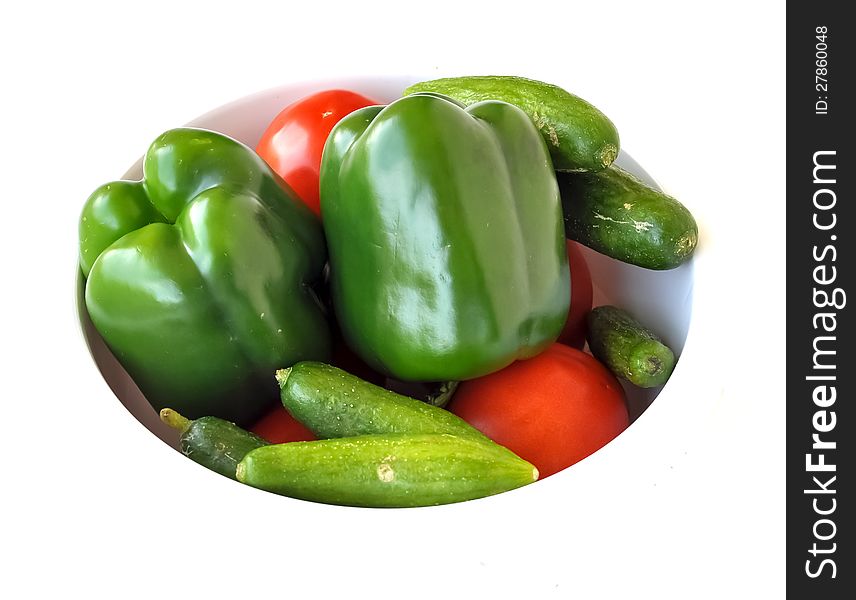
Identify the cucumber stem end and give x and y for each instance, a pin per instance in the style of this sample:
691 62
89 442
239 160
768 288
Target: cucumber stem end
654 365
607 155
174 419
282 376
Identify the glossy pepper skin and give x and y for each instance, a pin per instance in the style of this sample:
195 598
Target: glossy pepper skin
446 239
198 276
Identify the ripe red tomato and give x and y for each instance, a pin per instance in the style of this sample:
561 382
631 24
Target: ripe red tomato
293 142
279 427
552 410
574 332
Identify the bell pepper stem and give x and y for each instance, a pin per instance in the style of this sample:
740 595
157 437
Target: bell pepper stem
444 392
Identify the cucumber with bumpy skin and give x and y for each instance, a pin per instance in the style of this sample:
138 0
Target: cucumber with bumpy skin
628 348
616 214
332 403
578 135
386 470
212 442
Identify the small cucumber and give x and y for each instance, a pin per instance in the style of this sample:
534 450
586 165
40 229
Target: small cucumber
389 470
628 348
616 214
212 442
578 135
332 403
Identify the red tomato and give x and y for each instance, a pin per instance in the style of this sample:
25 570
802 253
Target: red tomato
574 332
293 142
552 410
279 427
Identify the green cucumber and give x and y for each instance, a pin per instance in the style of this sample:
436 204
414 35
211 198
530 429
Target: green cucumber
628 348
578 135
332 403
388 470
616 214
212 442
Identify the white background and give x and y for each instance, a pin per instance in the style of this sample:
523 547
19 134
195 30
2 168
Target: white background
95 506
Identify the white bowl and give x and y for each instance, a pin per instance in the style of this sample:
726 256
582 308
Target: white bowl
662 299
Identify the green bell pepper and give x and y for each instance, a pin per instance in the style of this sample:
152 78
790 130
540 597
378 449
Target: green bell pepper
445 233
198 276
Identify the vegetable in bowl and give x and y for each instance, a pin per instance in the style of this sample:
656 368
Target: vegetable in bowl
330 305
